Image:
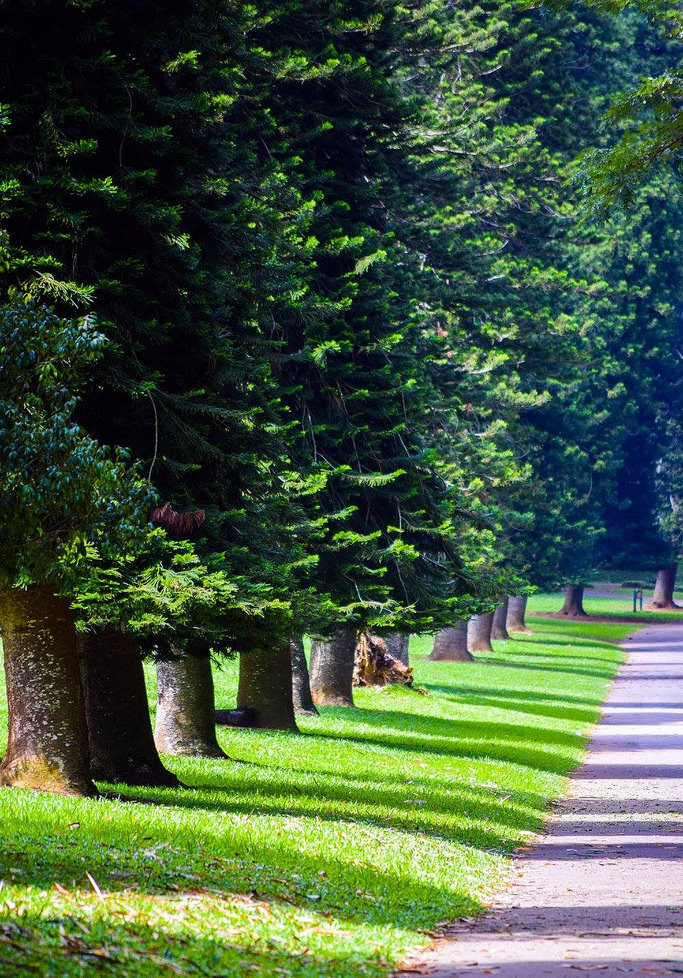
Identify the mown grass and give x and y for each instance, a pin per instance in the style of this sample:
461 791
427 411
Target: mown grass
330 853
620 606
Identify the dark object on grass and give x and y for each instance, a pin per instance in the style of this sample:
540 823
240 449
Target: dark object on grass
241 716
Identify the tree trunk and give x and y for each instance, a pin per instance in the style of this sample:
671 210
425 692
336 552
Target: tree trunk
48 736
265 687
397 645
450 645
332 664
479 633
185 708
122 745
301 682
499 628
516 613
663 598
573 602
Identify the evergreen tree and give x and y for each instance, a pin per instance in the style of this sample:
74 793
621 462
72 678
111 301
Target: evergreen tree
59 489
136 181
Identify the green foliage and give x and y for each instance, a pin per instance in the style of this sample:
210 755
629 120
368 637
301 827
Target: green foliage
350 310
646 116
58 487
354 366
137 182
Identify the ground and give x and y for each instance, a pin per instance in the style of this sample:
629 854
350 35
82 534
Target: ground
600 890
335 852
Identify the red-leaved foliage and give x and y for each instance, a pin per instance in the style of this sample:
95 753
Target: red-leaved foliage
177 524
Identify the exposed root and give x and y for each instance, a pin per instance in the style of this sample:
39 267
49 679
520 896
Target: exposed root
374 666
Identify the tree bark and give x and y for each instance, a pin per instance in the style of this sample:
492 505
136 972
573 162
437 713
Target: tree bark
479 633
48 736
397 645
516 614
185 708
122 745
301 681
573 602
332 664
265 686
499 628
663 598
450 645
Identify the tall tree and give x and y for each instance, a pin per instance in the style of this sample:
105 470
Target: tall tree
59 489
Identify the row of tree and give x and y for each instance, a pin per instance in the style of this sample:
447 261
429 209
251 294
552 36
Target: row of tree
301 333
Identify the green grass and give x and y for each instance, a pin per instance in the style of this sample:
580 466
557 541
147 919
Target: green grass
332 853
617 607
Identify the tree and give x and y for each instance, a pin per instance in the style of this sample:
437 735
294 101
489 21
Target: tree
138 179
354 365
646 115
58 489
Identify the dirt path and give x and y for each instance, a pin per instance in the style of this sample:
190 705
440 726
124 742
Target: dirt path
602 892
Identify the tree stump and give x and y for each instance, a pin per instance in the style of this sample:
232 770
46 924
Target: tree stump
375 666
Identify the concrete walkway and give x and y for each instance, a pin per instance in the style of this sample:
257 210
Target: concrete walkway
602 892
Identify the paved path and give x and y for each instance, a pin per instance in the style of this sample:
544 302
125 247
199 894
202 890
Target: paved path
602 892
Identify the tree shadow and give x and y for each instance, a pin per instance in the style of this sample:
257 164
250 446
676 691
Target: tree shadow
363 803
223 863
548 666
616 826
542 706
66 945
461 691
467 738
631 772
565 640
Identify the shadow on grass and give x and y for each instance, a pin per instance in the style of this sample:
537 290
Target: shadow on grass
541 706
549 666
565 642
224 863
451 816
461 691
485 740
66 946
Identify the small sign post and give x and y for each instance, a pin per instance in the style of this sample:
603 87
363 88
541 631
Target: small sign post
637 597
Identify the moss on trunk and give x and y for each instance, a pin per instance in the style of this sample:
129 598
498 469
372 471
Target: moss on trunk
185 708
48 737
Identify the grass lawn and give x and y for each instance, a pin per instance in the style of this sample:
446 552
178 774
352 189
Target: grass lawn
330 853
620 606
